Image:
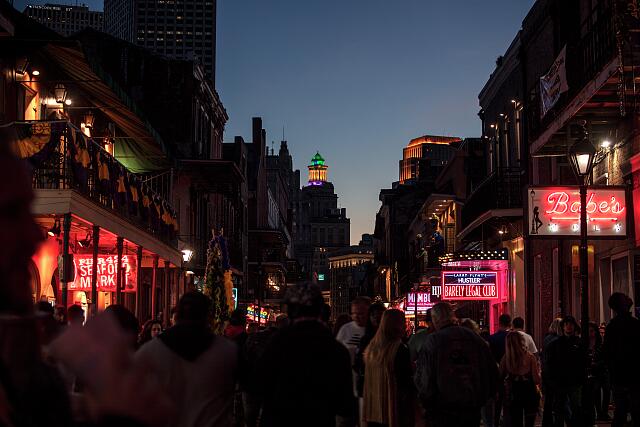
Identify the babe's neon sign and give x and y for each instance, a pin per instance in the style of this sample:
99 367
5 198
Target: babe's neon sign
555 211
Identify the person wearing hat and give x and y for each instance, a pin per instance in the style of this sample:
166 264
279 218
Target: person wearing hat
621 352
566 373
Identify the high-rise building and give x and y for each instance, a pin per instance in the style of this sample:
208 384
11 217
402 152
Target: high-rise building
320 226
65 19
179 29
425 157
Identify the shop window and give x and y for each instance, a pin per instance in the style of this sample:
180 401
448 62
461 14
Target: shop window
620 275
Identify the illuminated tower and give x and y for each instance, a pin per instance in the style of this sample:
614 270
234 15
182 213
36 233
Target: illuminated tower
317 170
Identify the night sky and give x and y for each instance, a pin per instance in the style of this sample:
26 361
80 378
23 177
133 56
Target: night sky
357 79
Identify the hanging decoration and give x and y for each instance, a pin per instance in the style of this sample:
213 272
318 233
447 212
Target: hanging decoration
218 285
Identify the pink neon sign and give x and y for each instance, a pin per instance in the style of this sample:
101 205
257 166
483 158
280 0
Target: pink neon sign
469 285
555 211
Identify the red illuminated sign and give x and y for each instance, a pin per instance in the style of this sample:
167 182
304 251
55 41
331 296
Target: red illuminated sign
107 273
555 211
425 302
469 285
251 314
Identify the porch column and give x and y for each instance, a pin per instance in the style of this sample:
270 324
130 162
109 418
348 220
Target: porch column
154 286
94 271
167 293
138 303
119 245
65 257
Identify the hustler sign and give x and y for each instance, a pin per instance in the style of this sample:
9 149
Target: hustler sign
469 285
555 211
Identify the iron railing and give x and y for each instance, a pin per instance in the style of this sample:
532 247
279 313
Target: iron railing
79 163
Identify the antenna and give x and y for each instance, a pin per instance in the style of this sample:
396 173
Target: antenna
283 132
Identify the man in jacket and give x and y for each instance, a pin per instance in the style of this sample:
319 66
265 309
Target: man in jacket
621 352
456 373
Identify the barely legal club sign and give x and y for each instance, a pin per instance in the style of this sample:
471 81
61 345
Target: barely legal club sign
555 211
469 285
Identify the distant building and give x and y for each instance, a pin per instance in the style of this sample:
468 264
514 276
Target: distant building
176 29
425 157
65 19
351 273
319 225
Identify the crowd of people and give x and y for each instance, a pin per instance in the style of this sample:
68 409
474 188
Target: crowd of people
58 368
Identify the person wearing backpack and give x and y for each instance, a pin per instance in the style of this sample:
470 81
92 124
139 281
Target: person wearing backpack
520 371
455 374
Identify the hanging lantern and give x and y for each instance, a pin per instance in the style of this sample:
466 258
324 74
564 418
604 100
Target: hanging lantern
60 93
89 118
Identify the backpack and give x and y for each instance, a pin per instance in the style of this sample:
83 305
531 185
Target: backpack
459 371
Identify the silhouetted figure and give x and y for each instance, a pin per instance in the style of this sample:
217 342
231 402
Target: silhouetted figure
306 372
566 362
621 352
195 368
520 372
388 387
456 373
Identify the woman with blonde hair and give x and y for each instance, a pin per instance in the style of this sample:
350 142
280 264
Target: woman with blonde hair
388 386
521 374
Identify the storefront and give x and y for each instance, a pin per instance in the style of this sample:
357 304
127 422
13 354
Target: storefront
477 284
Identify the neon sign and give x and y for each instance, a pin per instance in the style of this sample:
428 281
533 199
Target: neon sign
106 273
251 313
555 211
424 302
469 285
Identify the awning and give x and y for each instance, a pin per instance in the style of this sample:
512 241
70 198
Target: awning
142 149
493 213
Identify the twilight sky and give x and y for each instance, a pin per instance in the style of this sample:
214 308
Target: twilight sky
356 79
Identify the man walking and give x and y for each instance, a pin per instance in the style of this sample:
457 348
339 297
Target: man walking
351 333
196 369
497 343
455 374
518 326
621 352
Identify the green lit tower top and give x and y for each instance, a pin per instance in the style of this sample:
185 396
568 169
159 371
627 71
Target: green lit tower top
317 170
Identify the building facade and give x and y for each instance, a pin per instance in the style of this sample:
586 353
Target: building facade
425 157
65 19
320 225
351 274
184 30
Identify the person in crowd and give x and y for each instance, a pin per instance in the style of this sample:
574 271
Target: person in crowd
60 316
127 321
554 332
150 330
203 390
518 326
254 349
388 387
418 339
253 328
172 316
566 363
49 328
305 372
341 320
376 310
597 377
351 333
470 324
75 315
621 352
31 390
456 373
497 344
236 329
520 372
325 316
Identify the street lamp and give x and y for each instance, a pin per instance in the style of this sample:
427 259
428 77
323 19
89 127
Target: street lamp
187 254
60 93
581 156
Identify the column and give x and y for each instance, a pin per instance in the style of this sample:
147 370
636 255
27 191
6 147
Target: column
154 287
138 304
167 293
119 277
65 274
94 271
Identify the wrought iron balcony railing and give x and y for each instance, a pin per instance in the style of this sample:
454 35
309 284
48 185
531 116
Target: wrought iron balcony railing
67 159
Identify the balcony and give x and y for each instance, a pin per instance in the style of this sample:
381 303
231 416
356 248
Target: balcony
500 190
63 158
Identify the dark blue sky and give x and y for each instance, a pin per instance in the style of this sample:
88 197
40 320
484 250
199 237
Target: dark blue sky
357 79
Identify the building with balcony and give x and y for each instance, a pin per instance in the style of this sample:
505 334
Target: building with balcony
65 19
425 157
98 207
